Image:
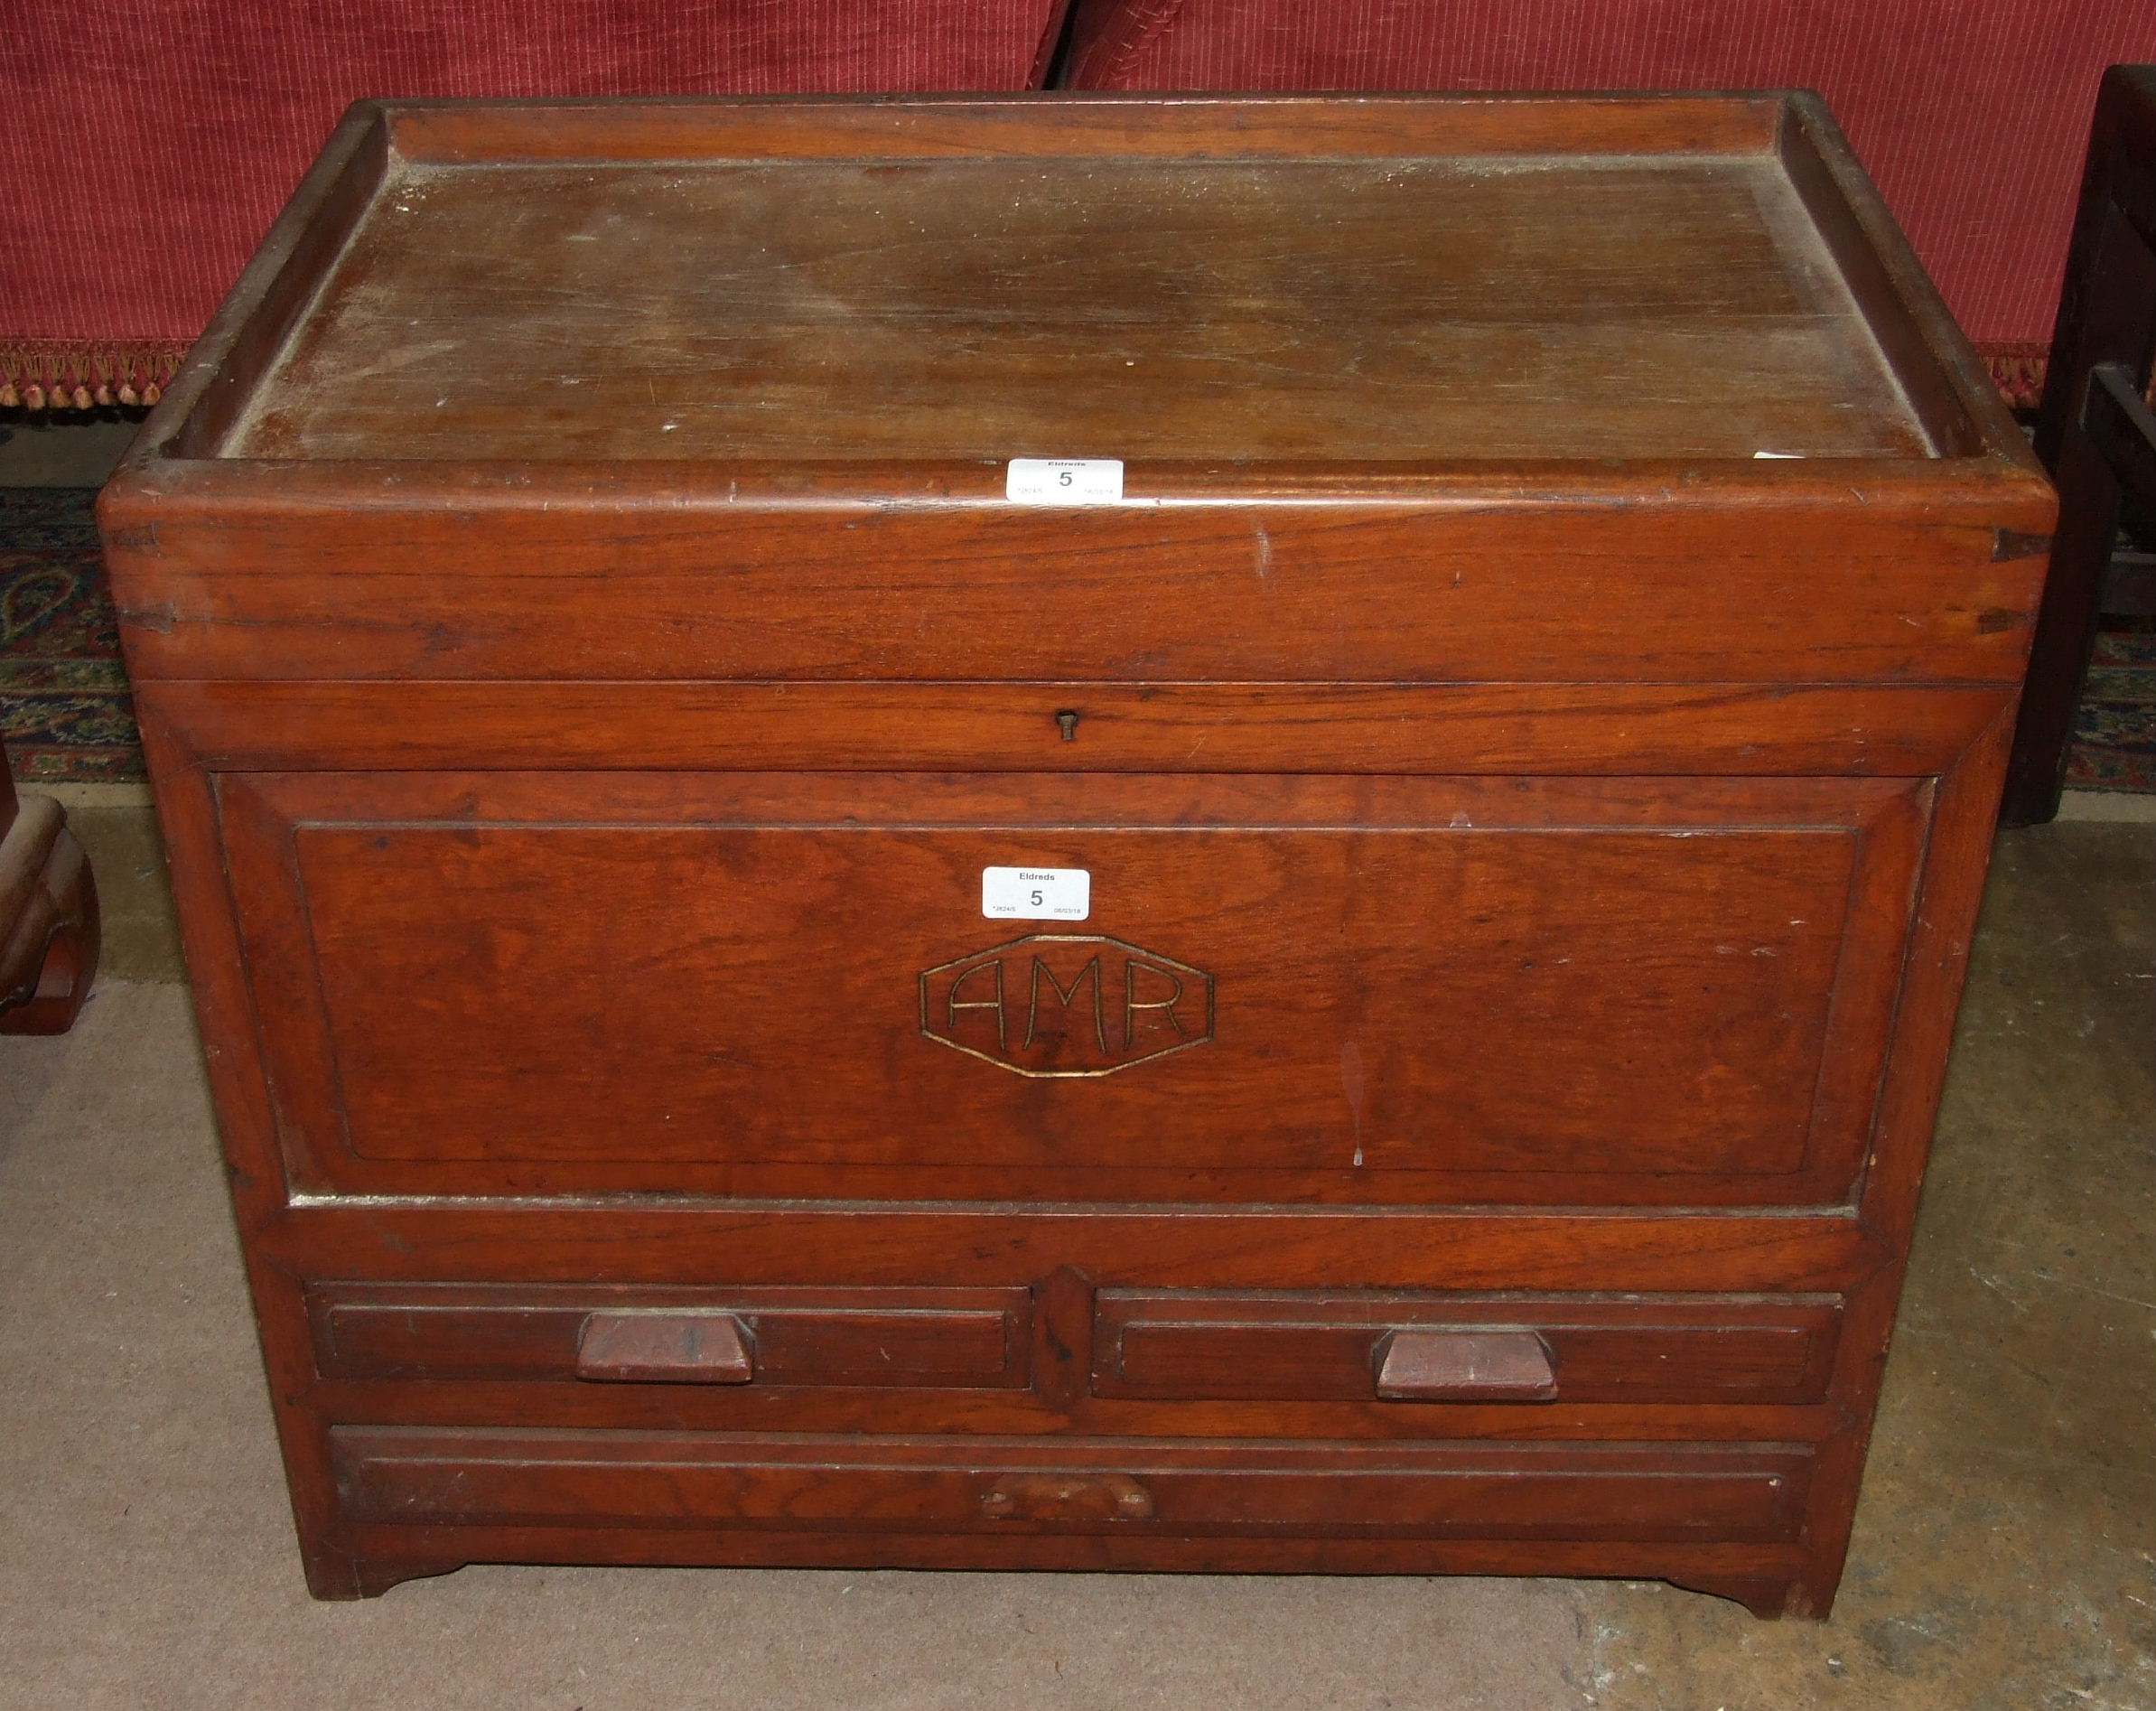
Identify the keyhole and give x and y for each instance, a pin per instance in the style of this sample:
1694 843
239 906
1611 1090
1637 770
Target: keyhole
1068 722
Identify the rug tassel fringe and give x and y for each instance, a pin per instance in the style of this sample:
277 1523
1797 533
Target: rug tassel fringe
57 377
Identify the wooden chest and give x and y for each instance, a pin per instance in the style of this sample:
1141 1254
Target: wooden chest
1346 967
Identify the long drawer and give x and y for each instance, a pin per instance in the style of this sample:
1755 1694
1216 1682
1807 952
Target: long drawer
551 1478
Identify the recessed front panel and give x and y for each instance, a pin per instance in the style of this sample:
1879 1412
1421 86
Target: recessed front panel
1375 990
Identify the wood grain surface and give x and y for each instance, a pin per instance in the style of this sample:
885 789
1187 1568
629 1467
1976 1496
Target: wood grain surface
1411 308
1591 578
1391 989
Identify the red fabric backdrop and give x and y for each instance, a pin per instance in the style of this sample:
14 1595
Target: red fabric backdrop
146 146
1971 114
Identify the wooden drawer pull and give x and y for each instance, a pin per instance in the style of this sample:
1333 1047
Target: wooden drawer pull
1067 1497
1465 1366
665 1348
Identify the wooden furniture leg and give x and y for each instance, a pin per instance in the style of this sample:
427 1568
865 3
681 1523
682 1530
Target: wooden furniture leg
2092 421
48 916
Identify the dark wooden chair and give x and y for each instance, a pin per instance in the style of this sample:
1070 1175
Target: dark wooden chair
48 916
2096 433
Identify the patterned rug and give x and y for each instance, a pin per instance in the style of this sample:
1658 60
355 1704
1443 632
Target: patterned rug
2115 747
64 706
67 717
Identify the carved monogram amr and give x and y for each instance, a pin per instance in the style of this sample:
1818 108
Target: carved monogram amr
1067 1004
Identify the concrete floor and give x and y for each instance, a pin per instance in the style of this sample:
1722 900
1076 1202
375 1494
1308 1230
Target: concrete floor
135 898
2005 1548
65 451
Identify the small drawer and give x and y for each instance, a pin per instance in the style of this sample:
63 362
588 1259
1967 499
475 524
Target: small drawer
537 1478
964 1338
1411 1349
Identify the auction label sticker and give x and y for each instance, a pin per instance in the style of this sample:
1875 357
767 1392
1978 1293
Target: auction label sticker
1064 480
1036 893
